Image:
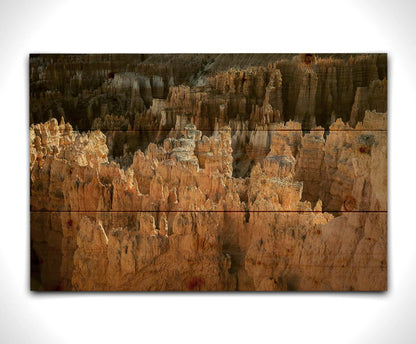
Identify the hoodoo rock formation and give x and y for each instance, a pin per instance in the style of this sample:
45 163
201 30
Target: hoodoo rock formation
232 172
151 94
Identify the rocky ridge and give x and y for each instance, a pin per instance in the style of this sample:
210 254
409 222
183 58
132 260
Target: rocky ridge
311 215
152 94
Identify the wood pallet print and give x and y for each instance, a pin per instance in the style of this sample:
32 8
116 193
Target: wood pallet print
208 172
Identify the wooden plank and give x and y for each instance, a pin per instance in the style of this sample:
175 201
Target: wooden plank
197 172
201 175
239 251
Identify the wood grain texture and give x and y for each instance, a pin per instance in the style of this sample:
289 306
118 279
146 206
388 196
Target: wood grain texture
263 177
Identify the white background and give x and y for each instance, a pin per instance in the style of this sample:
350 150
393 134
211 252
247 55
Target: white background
210 26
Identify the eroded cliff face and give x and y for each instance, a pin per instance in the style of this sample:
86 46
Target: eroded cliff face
310 214
138 99
208 172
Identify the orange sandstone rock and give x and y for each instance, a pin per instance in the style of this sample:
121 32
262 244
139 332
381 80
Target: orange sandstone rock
177 219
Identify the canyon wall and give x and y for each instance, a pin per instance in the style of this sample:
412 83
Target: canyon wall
151 94
215 172
177 219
